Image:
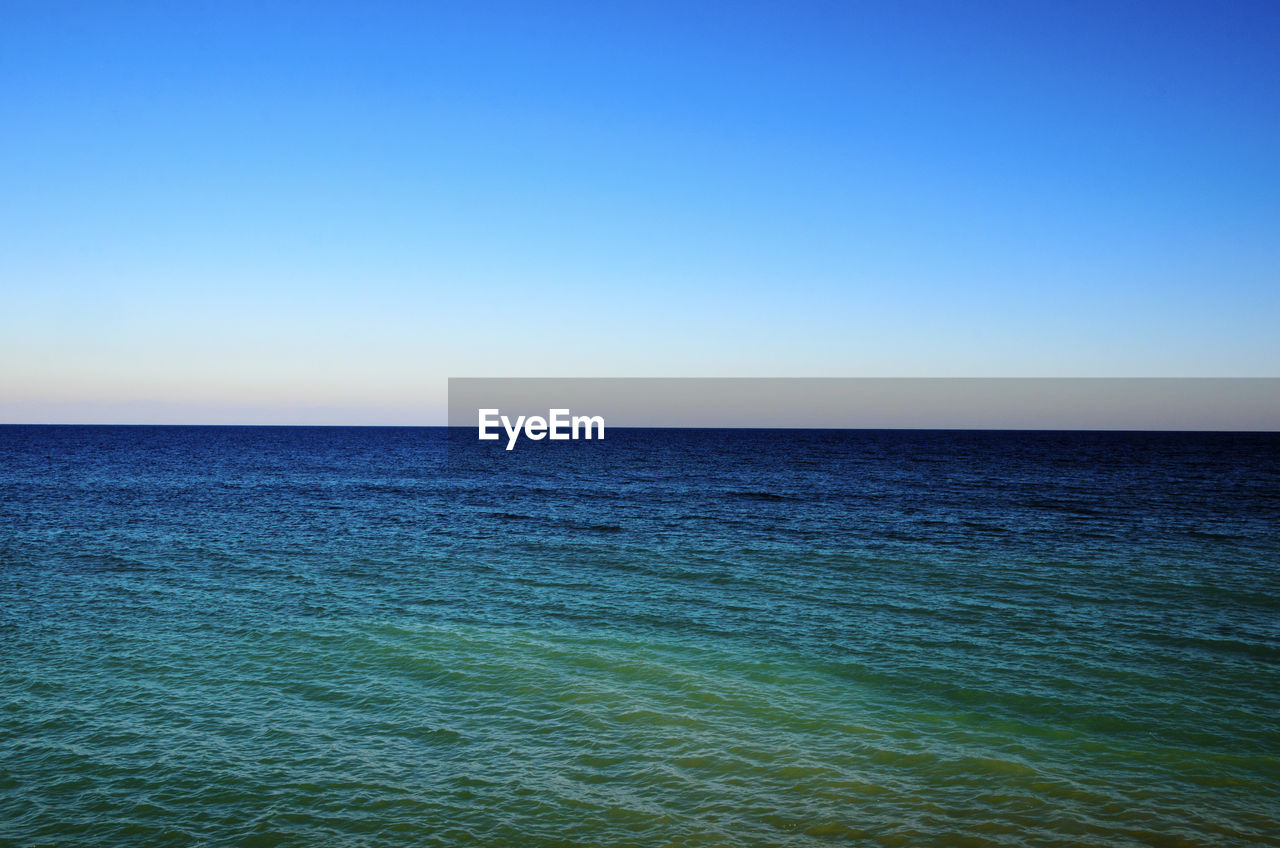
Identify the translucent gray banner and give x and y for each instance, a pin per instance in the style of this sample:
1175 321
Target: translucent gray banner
1191 404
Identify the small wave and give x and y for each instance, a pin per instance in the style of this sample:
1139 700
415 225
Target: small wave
1211 535
597 528
751 495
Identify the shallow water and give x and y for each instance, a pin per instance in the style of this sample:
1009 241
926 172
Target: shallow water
297 636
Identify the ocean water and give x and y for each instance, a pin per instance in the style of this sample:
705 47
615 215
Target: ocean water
366 637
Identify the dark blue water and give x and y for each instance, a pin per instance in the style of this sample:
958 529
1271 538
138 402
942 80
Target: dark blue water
359 636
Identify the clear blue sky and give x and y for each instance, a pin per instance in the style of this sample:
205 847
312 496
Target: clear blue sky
316 212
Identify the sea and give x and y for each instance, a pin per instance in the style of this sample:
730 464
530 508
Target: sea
313 636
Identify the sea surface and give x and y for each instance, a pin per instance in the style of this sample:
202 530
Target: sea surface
367 637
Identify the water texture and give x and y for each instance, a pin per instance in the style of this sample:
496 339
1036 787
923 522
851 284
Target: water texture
365 637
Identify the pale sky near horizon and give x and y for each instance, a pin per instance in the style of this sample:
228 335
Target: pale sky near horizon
316 213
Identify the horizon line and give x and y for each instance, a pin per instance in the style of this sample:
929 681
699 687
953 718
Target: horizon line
1241 431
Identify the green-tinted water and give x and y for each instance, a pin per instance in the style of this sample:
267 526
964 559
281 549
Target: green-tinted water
330 637
497 735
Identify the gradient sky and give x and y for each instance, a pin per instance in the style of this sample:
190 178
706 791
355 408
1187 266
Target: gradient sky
315 213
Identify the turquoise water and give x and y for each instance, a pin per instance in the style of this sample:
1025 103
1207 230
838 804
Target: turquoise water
308 636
